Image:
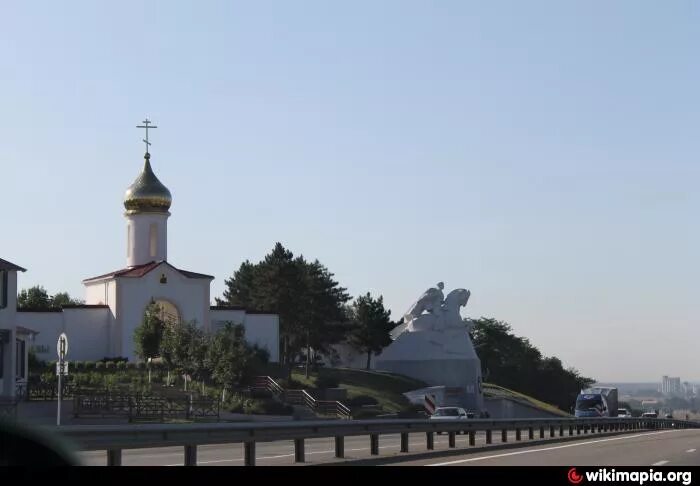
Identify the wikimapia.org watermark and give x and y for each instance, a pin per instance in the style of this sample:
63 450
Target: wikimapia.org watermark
639 477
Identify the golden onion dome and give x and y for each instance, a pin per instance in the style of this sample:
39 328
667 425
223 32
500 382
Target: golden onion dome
147 193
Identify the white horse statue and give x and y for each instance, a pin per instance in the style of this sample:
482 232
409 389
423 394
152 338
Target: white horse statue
445 317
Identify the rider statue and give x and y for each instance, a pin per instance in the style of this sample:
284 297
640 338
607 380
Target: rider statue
430 301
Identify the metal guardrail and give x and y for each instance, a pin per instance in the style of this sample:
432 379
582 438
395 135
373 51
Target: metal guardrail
114 439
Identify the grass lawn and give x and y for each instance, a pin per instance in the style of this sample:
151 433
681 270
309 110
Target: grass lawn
386 388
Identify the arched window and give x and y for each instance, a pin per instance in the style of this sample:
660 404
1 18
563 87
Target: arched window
154 239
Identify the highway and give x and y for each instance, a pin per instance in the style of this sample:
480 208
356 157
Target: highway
664 447
658 448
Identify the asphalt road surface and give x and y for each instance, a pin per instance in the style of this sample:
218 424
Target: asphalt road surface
659 448
665 447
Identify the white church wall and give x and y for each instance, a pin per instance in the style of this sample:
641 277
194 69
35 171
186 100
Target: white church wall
189 295
49 325
263 330
88 333
260 329
96 293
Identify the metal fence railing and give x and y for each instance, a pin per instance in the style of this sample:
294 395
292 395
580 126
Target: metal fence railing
303 398
114 439
145 407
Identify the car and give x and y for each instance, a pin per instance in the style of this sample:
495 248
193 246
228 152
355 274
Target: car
450 413
669 415
624 413
650 415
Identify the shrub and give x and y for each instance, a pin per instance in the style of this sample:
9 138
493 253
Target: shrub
365 414
361 400
88 365
325 381
130 366
121 365
77 365
100 365
95 379
109 365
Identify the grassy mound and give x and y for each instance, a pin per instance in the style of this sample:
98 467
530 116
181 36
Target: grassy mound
386 388
491 390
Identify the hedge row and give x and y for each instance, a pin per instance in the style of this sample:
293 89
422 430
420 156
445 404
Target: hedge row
103 365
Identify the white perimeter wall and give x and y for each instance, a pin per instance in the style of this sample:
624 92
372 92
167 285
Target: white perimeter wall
87 330
260 329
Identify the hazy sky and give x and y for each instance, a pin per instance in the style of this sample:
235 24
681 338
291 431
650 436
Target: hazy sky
543 155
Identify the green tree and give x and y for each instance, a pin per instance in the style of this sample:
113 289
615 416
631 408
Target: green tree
35 298
239 288
38 299
148 335
304 295
323 316
183 348
513 362
229 357
372 326
62 299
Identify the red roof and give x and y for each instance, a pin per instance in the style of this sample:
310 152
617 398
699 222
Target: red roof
140 270
5 265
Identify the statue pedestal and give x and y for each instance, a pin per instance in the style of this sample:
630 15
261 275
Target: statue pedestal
439 358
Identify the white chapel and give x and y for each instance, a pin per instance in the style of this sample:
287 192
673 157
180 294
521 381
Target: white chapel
115 301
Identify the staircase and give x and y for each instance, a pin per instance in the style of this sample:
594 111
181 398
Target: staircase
301 398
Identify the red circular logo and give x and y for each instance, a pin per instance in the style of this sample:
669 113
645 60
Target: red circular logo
574 477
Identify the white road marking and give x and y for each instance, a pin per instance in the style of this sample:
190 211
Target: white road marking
691 450
660 463
577 444
289 455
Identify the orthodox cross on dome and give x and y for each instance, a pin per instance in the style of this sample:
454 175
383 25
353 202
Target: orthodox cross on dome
145 125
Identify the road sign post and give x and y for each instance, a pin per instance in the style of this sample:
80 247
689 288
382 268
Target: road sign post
61 368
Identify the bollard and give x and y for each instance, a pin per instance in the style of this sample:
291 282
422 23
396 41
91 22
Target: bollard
404 441
488 436
551 431
249 453
298 450
472 438
517 434
530 433
429 441
571 430
190 455
340 446
541 432
374 444
451 439
504 435
561 431
114 457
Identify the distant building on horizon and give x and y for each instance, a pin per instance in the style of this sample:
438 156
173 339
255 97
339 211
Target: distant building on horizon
671 385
